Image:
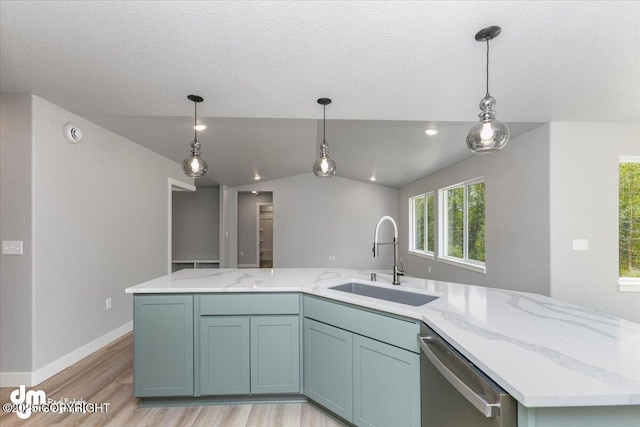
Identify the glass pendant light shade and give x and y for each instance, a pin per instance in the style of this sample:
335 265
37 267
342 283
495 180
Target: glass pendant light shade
488 134
324 166
194 166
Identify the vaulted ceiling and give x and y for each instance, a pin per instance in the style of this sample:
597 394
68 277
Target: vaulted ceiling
391 68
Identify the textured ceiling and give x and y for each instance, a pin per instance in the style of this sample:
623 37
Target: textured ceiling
129 66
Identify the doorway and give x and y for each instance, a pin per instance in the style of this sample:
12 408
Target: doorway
265 235
194 227
255 229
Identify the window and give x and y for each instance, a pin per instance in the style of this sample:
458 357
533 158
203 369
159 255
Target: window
629 223
462 225
422 228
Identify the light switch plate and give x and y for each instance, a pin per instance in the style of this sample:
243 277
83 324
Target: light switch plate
580 244
12 247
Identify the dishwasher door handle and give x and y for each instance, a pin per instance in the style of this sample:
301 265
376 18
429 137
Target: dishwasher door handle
488 409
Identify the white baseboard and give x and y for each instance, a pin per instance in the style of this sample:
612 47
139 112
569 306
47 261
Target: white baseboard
248 266
30 379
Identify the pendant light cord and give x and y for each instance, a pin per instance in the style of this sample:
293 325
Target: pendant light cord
324 123
487 66
195 121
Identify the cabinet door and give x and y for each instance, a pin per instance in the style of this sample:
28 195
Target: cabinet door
224 355
386 383
163 345
275 354
328 367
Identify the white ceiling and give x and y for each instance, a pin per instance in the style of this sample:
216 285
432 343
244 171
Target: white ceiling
391 68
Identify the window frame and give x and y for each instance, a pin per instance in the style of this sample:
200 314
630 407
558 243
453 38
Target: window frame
412 226
625 284
443 238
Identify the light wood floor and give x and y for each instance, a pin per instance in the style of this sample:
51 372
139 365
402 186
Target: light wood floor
107 376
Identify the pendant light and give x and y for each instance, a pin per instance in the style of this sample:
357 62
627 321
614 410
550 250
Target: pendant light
324 166
488 134
194 165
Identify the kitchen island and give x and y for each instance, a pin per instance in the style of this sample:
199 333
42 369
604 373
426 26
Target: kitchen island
564 364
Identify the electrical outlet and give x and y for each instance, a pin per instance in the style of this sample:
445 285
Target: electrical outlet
12 247
241 253
107 304
332 257
580 244
429 269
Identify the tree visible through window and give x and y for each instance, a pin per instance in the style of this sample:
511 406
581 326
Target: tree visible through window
422 224
455 222
419 217
464 222
629 218
475 209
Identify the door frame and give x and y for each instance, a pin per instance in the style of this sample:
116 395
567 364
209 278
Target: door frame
173 185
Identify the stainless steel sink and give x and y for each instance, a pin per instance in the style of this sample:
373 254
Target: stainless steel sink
394 295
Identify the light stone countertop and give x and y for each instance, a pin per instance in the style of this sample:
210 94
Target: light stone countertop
544 352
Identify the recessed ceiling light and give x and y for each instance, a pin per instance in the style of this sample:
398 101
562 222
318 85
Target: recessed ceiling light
257 177
373 178
200 127
255 192
431 132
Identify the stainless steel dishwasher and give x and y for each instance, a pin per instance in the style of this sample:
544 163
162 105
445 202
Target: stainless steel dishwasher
455 393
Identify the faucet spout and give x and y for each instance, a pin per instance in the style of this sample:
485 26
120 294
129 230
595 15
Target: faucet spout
396 271
375 236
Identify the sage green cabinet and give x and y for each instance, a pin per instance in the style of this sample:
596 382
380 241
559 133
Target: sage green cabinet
163 345
361 365
579 416
224 355
249 355
328 367
386 385
249 344
275 354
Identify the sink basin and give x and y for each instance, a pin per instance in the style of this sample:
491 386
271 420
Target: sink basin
394 295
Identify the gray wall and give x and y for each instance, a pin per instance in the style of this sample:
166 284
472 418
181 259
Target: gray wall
196 224
15 224
584 205
517 216
100 222
316 218
247 226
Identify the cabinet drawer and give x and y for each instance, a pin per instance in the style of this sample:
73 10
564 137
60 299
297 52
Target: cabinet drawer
251 304
401 333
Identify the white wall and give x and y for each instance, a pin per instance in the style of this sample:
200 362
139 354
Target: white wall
100 225
15 224
316 218
196 224
516 210
584 205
